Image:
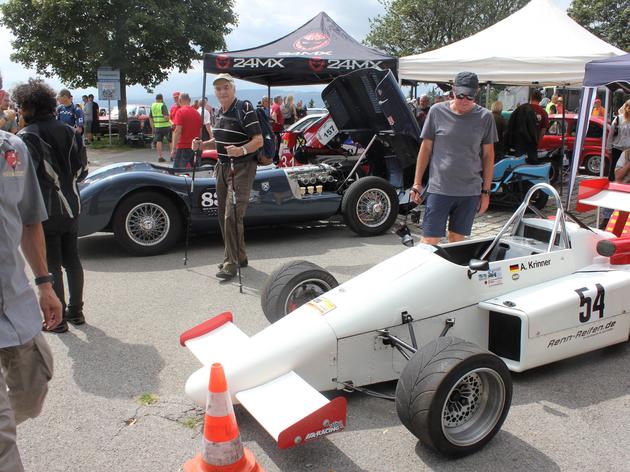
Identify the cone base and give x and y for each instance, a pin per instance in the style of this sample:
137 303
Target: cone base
246 464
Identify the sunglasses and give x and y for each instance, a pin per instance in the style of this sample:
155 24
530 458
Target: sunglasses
461 96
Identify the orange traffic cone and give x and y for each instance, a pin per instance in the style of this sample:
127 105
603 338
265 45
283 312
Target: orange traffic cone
222 447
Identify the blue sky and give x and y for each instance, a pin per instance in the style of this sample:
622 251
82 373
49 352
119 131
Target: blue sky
260 21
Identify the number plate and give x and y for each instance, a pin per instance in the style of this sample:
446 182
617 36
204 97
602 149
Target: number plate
328 131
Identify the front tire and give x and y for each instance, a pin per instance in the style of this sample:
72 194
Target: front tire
147 223
370 206
592 165
291 285
454 396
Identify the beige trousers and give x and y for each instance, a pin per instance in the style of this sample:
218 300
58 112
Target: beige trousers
24 376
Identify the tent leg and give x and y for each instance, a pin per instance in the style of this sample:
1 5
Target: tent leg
602 158
488 95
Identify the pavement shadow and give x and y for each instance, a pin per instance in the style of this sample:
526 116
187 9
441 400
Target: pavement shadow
504 452
320 456
107 367
563 383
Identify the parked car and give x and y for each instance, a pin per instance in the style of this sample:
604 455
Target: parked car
591 152
147 206
134 111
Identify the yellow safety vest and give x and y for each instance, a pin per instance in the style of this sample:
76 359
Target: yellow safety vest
159 120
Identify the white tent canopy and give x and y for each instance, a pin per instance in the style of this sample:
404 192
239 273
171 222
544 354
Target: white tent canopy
538 44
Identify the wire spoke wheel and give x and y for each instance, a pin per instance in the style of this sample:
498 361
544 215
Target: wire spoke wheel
147 224
373 207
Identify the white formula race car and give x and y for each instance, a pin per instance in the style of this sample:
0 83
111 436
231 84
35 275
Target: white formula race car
449 322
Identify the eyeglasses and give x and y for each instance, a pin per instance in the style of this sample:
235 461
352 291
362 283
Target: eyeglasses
461 96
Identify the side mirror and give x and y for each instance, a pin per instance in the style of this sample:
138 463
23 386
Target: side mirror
476 265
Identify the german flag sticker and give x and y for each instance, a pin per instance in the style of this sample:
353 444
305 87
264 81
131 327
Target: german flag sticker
514 268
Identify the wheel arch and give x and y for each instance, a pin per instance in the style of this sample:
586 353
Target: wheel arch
176 198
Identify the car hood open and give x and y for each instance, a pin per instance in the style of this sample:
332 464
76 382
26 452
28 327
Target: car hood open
368 102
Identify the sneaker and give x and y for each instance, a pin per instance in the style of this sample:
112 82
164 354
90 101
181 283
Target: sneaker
242 264
161 159
60 328
227 272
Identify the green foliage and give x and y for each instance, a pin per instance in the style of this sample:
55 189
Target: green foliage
415 26
147 399
606 19
311 103
145 40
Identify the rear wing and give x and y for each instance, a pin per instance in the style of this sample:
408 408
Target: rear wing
603 193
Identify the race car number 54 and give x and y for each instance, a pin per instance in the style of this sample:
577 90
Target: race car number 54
589 304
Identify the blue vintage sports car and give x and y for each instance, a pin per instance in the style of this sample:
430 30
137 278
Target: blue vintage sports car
147 206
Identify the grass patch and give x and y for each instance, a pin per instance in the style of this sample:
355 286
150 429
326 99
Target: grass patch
192 421
147 399
103 145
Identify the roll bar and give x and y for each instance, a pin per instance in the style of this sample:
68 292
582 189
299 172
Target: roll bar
518 215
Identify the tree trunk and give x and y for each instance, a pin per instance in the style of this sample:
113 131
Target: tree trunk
122 110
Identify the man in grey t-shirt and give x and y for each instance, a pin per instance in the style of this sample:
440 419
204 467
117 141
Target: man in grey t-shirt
458 144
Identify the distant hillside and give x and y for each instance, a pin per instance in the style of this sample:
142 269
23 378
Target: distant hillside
253 95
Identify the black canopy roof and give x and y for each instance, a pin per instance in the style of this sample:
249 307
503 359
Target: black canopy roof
315 53
613 73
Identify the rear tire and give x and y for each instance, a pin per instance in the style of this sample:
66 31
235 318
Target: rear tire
592 165
454 396
370 206
291 285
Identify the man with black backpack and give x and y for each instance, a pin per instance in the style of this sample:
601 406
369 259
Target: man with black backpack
237 139
60 162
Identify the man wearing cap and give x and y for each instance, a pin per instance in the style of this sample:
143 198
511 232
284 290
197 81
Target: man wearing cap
237 137
458 144
68 112
160 124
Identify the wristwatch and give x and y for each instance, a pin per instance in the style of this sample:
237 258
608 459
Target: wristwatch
44 279
485 192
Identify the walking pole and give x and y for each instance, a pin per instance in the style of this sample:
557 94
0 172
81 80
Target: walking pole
196 158
238 249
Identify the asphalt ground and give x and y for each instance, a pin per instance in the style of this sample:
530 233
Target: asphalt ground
116 402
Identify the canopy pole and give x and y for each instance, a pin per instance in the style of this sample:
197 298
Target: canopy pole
562 145
602 158
269 97
488 95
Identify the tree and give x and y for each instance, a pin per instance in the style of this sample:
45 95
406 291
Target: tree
606 19
415 26
145 40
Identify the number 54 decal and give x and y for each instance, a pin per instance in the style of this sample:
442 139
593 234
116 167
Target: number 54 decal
589 306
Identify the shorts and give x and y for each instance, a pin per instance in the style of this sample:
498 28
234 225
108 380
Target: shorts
161 133
184 159
88 126
460 212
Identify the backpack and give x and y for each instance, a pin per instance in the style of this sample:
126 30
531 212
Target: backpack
49 174
268 149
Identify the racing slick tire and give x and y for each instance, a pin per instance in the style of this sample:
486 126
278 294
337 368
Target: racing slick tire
370 206
291 285
147 223
454 396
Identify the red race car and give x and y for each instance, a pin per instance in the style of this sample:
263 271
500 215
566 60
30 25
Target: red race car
591 151
312 138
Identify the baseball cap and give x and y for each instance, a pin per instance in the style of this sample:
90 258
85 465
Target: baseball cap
176 94
227 77
466 83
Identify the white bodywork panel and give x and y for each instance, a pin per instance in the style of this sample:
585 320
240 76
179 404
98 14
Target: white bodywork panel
281 402
609 199
556 323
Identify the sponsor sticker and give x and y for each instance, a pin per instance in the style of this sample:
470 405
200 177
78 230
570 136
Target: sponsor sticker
492 277
581 334
323 305
334 427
